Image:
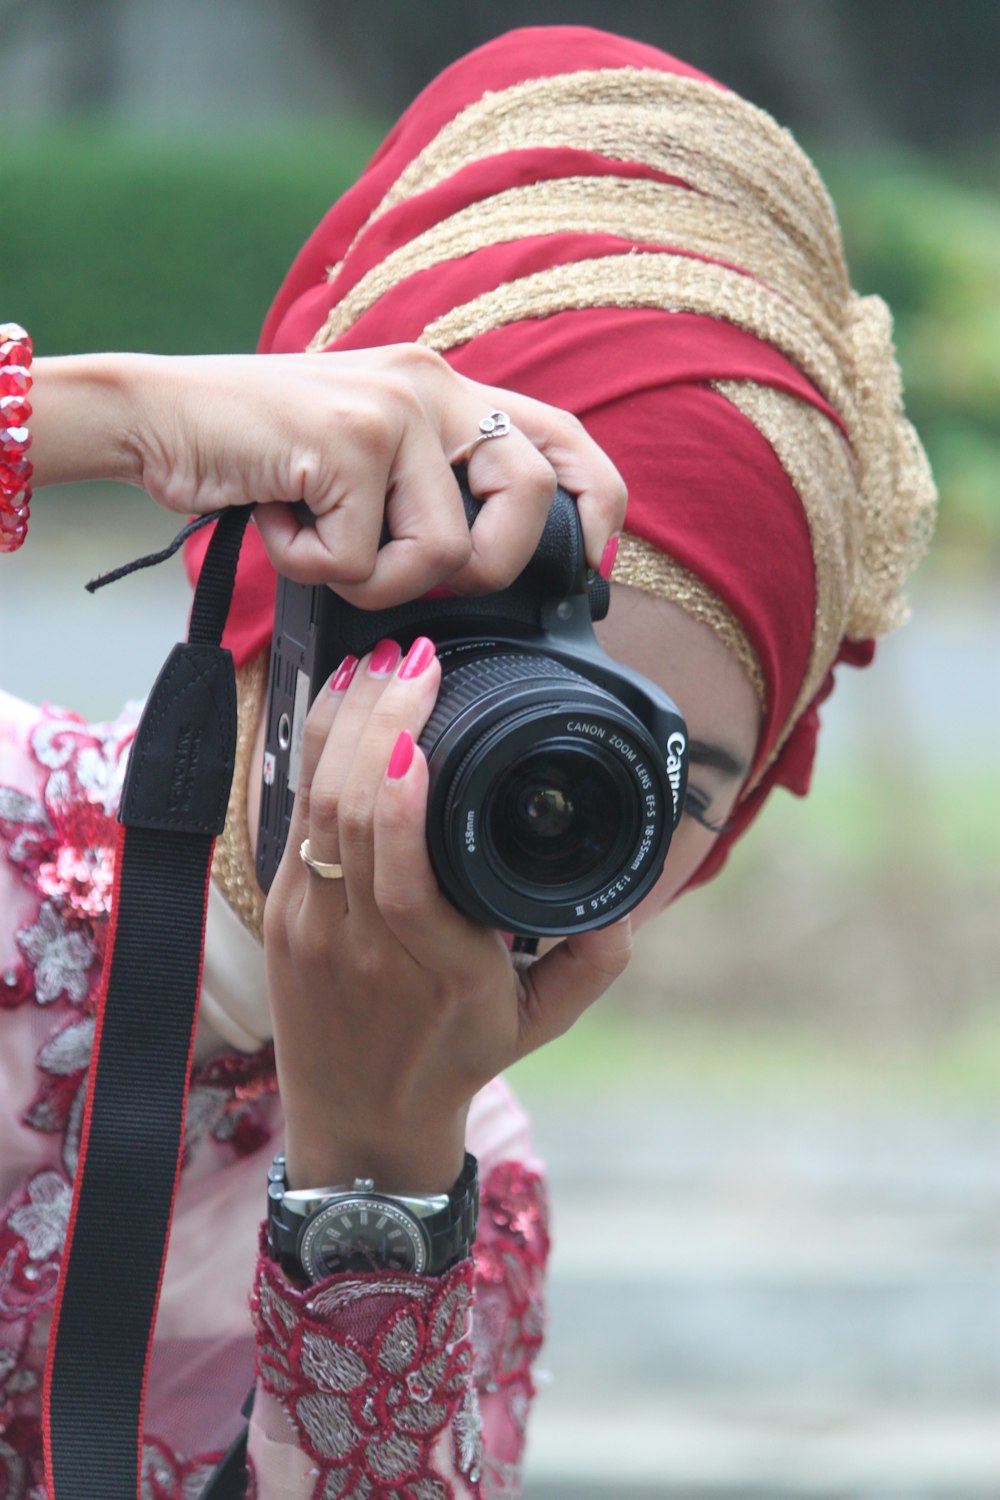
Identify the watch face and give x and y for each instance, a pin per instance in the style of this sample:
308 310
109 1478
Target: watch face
362 1234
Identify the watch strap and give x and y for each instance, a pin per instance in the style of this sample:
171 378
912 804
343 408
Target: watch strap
450 1231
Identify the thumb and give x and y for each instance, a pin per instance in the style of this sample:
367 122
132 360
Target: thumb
559 987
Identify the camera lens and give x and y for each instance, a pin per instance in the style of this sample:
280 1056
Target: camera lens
552 817
548 809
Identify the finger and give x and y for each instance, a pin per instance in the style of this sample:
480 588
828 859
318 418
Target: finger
319 796
581 466
428 531
319 722
340 547
418 497
559 987
516 486
404 885
403 709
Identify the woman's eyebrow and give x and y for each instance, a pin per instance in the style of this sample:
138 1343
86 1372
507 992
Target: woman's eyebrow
700 753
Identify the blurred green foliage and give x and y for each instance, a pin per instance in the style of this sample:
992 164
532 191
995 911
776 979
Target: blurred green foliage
125 242
926 236
612 1053
132 242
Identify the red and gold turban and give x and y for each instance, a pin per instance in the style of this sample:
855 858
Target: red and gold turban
587 220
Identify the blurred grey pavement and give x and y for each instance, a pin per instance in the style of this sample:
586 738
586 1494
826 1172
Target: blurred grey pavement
763 1302
90 652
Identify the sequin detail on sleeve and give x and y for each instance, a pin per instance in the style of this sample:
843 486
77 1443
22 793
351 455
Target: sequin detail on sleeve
375 1374
509 1320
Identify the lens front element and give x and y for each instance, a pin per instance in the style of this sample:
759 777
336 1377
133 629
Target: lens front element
555 817
549 810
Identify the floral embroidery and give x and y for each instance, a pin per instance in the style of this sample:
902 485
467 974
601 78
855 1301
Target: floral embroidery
228 1097
64 842
508 1324
13 1468
29 823
31 1241
42 1222
379 1374
467 1433
16 1380
372 1405
61 844
166 1477
60 958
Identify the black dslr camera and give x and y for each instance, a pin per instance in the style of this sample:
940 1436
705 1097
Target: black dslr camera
557 776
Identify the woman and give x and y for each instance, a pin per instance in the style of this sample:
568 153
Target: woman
580 220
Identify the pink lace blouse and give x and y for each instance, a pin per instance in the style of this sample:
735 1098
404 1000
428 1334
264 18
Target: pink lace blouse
366 1386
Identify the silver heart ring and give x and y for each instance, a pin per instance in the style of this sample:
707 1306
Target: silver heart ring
496 425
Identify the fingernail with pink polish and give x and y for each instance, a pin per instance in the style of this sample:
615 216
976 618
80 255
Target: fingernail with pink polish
401 758
418 658
608 555
384 659
342 677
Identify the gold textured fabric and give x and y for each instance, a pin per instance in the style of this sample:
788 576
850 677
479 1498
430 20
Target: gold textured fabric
727 150
759 246
893 511
233 865
812 451
640 565
650 213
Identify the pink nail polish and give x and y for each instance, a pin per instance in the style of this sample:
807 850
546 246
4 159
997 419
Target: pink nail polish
384 659
401 758
608 556
418 658
342 677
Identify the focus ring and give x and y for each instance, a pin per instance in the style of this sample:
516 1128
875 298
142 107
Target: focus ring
466 683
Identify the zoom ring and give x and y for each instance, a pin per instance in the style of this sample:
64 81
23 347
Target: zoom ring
466 684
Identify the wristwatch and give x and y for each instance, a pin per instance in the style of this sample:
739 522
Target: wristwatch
315 1232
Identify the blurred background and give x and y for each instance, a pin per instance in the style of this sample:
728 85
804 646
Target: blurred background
773 1148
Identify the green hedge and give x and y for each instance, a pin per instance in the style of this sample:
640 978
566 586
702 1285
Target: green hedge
118 241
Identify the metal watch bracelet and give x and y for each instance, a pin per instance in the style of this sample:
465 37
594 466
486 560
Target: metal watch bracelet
439 1228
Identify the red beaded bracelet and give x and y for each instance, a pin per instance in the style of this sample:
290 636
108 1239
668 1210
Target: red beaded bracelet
15 439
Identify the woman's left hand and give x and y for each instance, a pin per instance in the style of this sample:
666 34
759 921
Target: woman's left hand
362 436
391 1008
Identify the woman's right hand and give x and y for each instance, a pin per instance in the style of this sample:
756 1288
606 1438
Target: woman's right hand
390 1007
357 435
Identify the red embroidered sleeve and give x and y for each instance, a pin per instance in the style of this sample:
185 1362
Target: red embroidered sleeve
374 1373
382 1376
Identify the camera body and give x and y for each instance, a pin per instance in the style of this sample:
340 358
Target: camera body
557 775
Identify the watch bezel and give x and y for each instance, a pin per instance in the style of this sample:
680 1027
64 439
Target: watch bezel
315 1226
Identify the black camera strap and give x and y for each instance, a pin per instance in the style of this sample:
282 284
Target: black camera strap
173 807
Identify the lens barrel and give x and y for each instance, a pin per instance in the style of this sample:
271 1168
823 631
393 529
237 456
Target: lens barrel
549 808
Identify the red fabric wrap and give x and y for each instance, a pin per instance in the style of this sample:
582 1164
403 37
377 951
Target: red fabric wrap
704 486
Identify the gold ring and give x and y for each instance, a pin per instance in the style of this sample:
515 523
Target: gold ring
496 425
319 866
